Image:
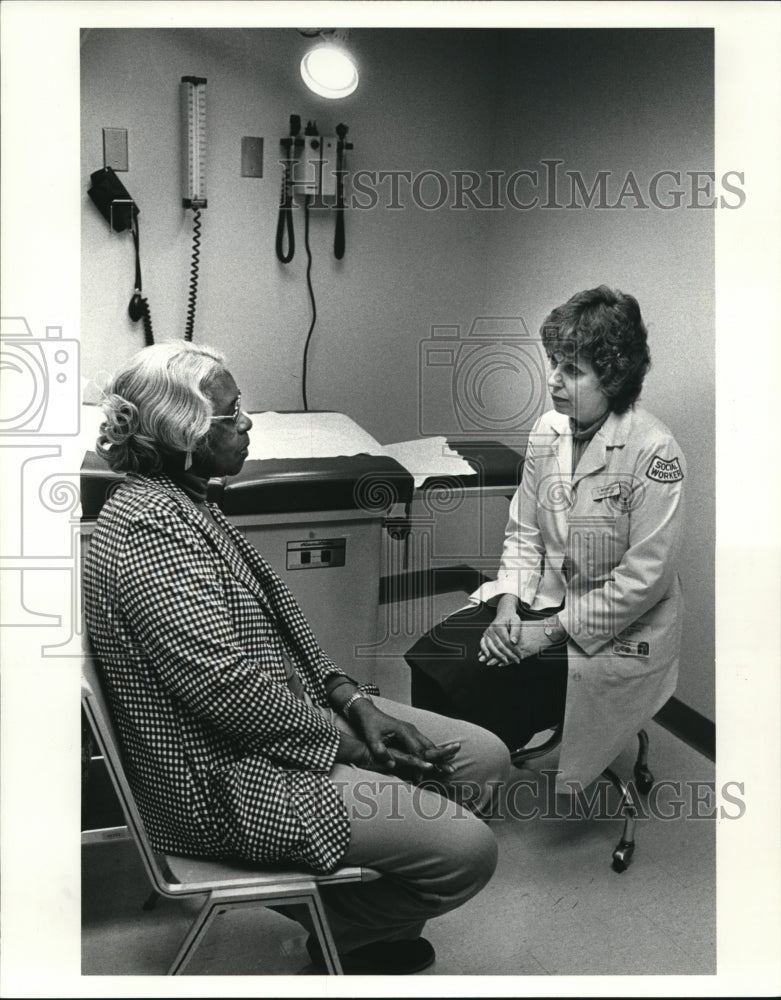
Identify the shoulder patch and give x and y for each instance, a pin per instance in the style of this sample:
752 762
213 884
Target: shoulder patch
665 472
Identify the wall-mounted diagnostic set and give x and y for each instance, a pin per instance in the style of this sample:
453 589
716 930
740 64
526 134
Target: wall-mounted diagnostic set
313 165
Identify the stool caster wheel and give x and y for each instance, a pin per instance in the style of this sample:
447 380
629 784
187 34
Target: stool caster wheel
622 855
644 780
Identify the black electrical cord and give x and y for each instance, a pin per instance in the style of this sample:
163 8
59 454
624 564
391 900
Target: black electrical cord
188 331
139 306
339 231
341 131
285 219
311 298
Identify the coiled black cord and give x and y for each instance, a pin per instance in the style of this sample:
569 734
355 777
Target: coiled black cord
311 298
188 331
147 318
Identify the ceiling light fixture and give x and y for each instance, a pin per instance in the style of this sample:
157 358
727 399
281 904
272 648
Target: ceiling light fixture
329 69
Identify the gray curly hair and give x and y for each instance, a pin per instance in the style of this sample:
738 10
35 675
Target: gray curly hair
155 406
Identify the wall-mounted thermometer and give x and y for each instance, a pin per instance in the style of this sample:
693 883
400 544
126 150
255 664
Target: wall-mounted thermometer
194 141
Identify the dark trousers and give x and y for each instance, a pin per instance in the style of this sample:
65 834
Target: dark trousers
515 702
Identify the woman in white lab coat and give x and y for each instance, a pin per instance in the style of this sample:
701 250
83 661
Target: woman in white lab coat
583 621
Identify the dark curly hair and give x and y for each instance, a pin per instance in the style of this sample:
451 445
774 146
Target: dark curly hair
603 326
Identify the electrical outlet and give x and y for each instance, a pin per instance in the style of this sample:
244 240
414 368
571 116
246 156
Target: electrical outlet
115 148
251 156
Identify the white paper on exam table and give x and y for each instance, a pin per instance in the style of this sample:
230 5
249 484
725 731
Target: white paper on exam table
308 435
328 435
314 435
428 457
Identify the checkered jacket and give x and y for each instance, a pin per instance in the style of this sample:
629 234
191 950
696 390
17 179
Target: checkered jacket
191 628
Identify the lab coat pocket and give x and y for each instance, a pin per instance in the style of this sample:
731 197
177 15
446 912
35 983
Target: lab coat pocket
642 648
625 659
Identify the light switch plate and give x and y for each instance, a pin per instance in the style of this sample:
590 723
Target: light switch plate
115 148
251 156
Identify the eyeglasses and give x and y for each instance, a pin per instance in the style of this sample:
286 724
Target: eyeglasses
235 416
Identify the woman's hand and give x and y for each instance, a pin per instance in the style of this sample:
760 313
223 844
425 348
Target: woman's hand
399 746
531 639
499 645
351 750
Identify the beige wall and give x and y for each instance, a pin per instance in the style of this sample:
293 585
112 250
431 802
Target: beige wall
402 269
439 100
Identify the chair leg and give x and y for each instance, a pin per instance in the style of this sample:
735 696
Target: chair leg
643 778
325 939
625 848
194 935
218 902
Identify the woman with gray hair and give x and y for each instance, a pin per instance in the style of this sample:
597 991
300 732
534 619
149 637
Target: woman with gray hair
241 737
582 625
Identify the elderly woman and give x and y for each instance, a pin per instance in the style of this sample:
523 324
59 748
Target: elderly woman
241 737
583 621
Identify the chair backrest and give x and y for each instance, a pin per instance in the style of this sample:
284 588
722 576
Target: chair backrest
98 713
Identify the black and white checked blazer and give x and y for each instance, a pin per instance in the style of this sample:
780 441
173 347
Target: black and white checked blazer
191 628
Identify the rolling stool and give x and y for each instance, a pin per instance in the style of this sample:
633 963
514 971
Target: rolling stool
622 854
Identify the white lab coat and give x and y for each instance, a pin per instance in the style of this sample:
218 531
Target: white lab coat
605 541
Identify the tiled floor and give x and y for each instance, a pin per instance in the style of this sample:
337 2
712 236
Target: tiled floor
553 907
